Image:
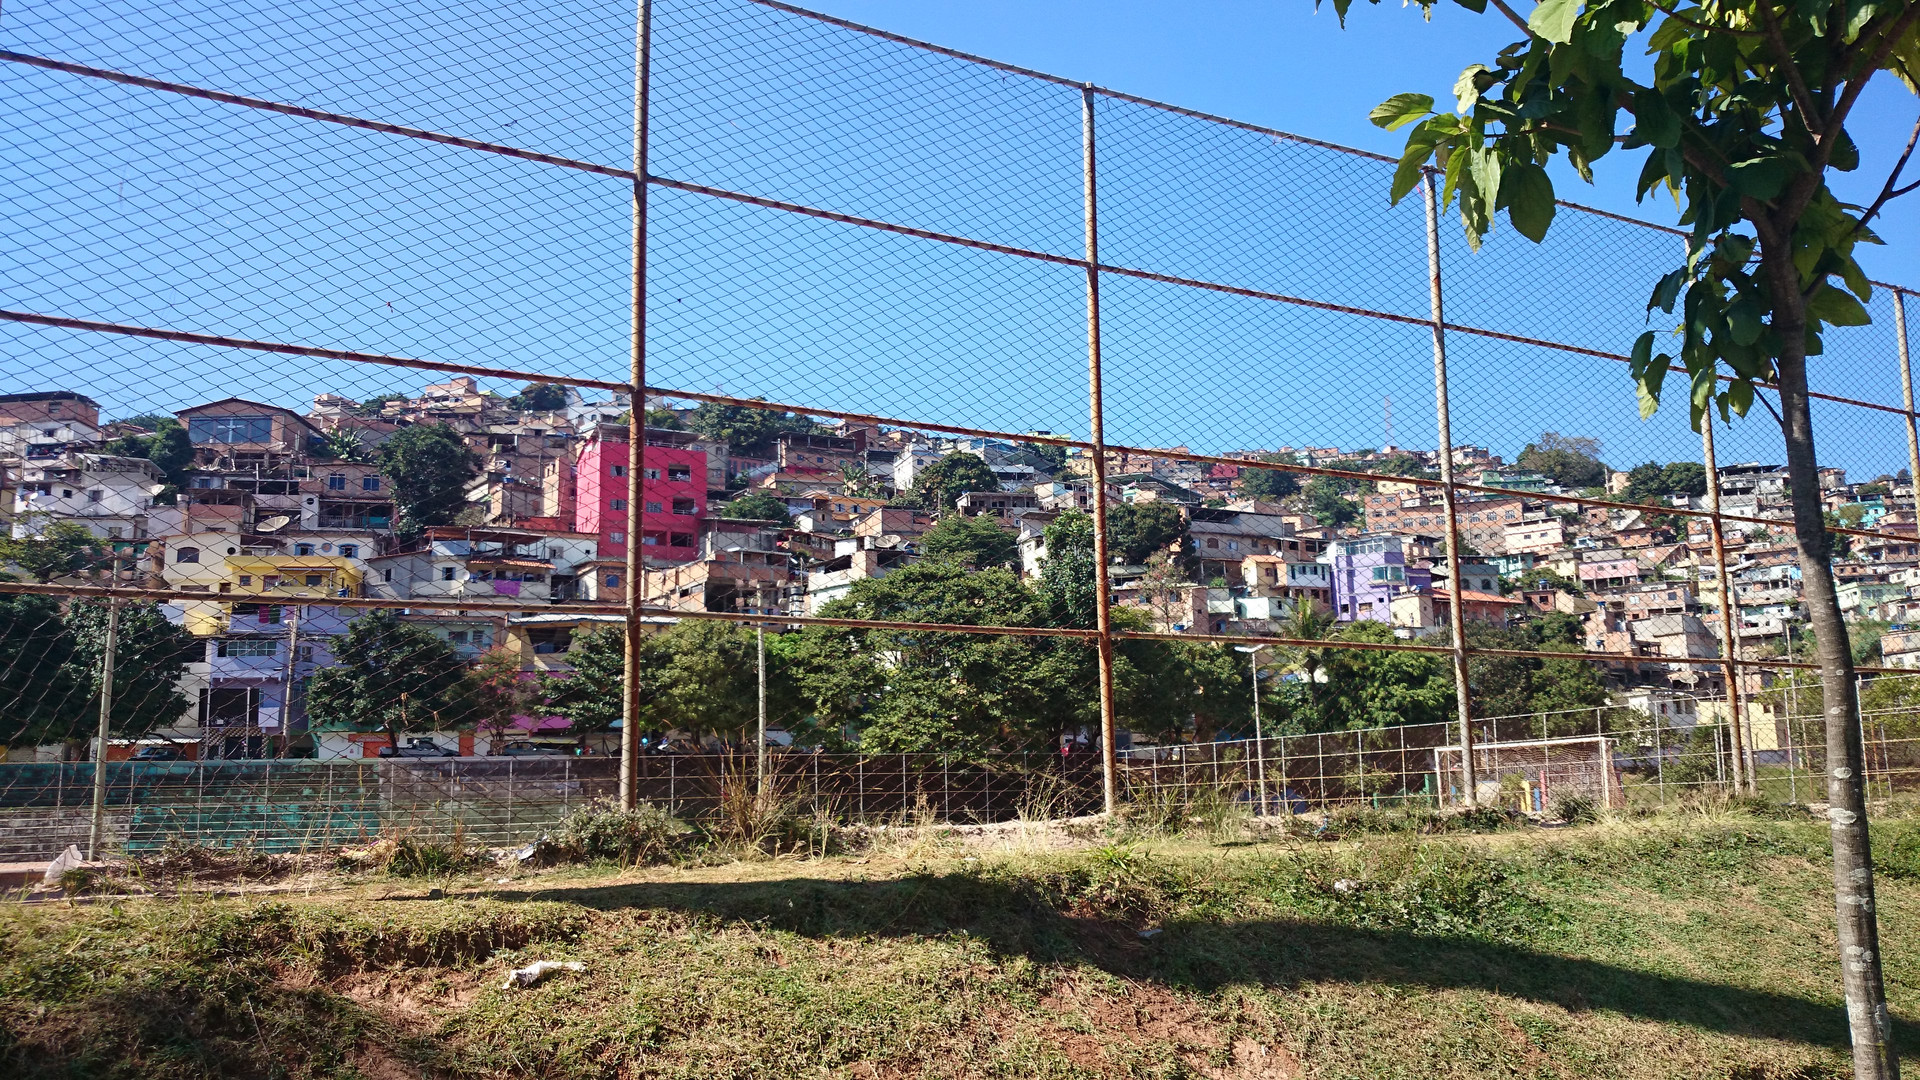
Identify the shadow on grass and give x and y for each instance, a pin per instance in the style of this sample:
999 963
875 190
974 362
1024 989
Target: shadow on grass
1204 955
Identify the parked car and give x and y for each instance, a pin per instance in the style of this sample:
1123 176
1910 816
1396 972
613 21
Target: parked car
419 748
156 753
528 749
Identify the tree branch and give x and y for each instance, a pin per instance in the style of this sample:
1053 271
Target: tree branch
1888 191
1684 21
1513 17
1837 117
1802 97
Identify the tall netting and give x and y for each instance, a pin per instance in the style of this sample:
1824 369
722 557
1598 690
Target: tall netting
329 511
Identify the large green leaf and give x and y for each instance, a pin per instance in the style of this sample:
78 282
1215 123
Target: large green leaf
1553 20
1836 307
1529 199
1400 110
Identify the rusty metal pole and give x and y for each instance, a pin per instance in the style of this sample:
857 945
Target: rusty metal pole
96 830
1906 391
1103 598
1456 613
636 419
1729 629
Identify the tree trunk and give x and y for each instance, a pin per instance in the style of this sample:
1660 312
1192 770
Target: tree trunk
1868 1020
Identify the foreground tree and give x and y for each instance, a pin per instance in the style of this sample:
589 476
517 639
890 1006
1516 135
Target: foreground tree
392 676
149 657
42 702
978 542
1742 115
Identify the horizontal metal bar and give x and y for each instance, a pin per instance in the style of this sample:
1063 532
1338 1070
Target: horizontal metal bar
760 403
194 338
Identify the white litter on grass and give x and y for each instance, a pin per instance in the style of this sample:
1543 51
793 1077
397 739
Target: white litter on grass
538 970
1345 885
67 860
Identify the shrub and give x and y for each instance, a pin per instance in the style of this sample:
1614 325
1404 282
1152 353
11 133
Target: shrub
412 856
602 831
1432 889
1575 809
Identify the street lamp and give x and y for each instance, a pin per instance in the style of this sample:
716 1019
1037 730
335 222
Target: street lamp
1259 740
760 662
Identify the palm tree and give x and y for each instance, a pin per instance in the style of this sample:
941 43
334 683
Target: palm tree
1307 621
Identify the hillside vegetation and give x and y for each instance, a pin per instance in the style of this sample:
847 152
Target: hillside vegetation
1685 946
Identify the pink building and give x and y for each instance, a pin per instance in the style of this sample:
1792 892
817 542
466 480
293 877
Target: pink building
675 491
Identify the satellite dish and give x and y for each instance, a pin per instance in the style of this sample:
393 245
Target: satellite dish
273 524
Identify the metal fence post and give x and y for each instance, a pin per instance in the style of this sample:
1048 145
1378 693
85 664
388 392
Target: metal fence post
1456 613
1906 390
1103 598
99 823
635 565
1729 632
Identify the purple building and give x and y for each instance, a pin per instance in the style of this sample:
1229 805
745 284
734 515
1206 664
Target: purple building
1367 572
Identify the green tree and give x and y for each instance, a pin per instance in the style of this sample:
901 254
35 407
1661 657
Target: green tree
1742 116
150 656
856 481
978 542
392 676
1136 531
1050 457
747 431
169 448
62 548
539 397
1571 461
376 405
758 506
1067 582
1380 688
343 444
1328 503
938 486
1270 483
428 468
1545 577
43 702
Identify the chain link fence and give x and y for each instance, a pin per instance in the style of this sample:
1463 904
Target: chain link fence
275 275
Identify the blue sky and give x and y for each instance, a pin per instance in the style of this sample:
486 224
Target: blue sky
135 206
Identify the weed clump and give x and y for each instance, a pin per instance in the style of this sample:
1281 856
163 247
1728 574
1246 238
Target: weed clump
1575 809
1435 890
603 831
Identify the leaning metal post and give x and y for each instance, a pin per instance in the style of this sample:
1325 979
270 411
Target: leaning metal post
1729 631
1103 597
98 827
636 421
1906 391
1456 610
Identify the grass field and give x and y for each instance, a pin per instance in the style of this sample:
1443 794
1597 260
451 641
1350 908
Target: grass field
1696 945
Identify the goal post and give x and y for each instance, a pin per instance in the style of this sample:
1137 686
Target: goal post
1529 774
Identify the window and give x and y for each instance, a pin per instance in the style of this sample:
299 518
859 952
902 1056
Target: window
1233 545
336 482
230 429
684 540
621 504
386 575
653 507
683 507
349 551
66 493
246 581
206 481
263 614
446 573
680 473
248 647
651 474
613 581
113 532
369 483
456 637
315 579
617 537
618 470
186 555
1212 542
94 495
303 549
